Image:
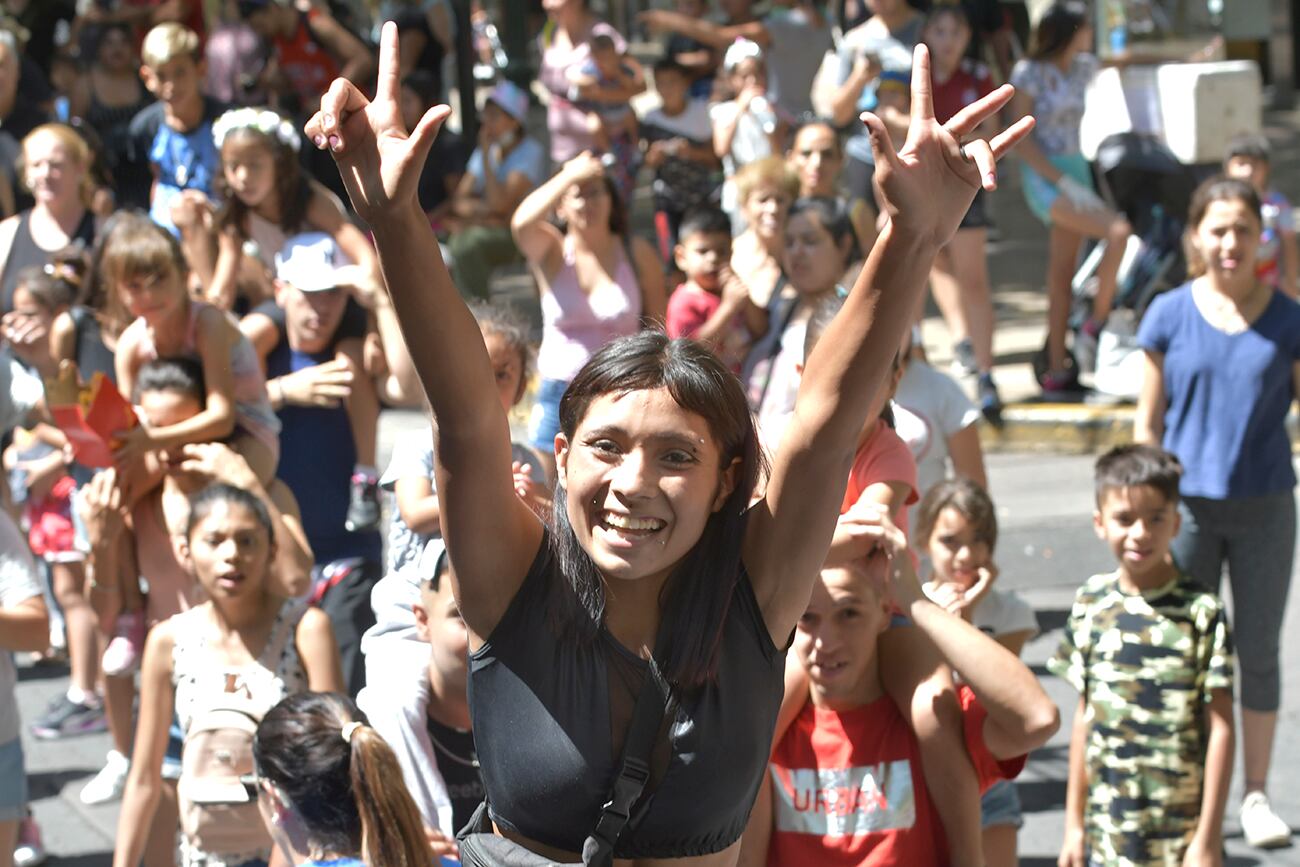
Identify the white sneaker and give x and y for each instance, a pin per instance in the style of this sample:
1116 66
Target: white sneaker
109 783
1263 828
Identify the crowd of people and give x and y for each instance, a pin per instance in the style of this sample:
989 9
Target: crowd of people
732 597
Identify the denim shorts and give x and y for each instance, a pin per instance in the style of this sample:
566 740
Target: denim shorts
544 423
1000 805
171 766
13 781
1041 194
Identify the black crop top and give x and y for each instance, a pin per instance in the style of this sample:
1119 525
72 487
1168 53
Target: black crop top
541 708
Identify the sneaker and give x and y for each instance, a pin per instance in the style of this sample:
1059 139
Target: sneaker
990 402
122 656
1085 345
1261 827
30 851
109 783
65 717
1060 383
363 504
963 358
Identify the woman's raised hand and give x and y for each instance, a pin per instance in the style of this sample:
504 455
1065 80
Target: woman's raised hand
380 162
928 185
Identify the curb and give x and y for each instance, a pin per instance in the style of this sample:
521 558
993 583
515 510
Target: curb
1073 429
1058 428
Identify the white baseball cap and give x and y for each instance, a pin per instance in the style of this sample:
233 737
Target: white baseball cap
313 262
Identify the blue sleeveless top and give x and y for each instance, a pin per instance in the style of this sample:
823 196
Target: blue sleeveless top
550 715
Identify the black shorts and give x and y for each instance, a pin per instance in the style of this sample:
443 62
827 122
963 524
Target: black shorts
978 215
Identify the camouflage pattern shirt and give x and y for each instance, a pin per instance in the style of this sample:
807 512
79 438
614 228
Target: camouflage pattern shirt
1145 665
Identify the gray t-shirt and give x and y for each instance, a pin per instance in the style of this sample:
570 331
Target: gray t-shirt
796 53
18 583
413 458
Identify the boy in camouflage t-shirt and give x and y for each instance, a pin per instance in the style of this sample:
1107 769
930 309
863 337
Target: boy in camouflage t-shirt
1150 653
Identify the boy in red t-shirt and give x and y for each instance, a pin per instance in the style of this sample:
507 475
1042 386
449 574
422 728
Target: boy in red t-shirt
713 305
845 787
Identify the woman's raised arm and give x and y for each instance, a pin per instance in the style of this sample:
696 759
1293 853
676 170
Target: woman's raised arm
493 537
927 188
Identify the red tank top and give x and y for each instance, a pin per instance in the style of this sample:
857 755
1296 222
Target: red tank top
308 65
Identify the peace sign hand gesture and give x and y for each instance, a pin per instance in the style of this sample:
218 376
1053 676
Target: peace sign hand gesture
928 185
380 162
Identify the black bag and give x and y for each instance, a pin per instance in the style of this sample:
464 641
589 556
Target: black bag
480 847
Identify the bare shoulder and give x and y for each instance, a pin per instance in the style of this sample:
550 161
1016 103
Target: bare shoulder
314 624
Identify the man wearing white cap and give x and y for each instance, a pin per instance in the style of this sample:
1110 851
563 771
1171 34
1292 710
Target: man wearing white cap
504 167
311 382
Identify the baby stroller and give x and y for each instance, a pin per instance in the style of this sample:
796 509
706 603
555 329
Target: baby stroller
1142 179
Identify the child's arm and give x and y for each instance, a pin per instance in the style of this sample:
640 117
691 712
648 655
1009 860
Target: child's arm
126 359
356 62
325 212
144 782
1206 846
850 542
221 281
418 504
216 421
1076 791
1020 715
319 652
724 131
25 626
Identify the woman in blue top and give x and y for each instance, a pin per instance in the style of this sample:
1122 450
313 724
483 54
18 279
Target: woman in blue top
657 461
1222 368
330 790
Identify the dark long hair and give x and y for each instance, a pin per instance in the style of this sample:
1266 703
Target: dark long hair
699 593
292 187
348 792
1057 27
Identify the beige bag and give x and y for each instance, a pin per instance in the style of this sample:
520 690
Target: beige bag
218 813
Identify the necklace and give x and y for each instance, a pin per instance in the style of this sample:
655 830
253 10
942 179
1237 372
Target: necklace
471 762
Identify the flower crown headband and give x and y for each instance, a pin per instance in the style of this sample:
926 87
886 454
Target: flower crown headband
263 120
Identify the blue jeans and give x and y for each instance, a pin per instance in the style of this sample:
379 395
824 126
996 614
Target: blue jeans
544 423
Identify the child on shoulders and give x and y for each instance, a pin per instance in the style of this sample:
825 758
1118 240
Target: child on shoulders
852 740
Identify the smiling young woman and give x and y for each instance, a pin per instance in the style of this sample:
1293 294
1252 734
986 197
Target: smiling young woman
655 562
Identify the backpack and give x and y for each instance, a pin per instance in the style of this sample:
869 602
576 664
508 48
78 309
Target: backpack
218 814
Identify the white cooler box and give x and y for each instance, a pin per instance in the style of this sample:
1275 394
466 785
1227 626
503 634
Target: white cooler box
1194 108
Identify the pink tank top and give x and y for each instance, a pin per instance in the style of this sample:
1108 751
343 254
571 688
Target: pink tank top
576 323
253 412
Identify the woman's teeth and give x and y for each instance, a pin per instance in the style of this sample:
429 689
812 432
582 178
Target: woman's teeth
627 522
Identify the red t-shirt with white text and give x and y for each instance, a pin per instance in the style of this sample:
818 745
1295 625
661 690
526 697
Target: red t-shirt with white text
847 789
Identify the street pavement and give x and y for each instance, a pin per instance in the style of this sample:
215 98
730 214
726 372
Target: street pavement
1046 548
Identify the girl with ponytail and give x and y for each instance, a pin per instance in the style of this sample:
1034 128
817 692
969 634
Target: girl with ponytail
330 789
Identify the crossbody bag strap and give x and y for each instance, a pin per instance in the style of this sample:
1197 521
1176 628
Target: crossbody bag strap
634 770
